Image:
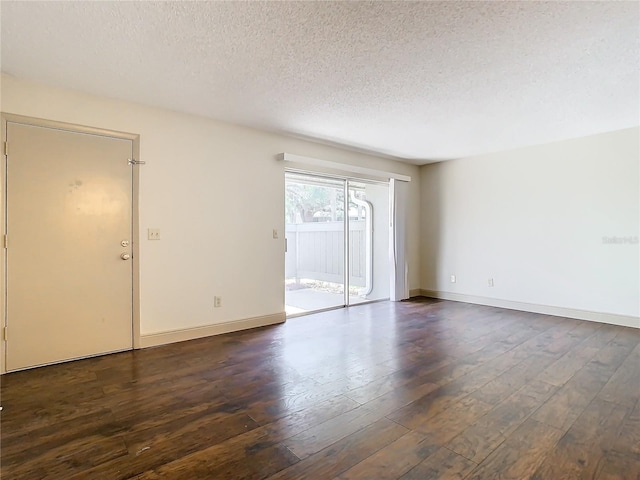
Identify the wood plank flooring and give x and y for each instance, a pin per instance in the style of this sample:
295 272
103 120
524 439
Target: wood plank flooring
423 389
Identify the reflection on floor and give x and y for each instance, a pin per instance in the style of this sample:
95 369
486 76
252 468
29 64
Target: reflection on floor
308 299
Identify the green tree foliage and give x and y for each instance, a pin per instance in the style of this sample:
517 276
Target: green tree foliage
304 202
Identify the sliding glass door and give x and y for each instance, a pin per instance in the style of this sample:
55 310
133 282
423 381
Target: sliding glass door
368 241
324 215
315 257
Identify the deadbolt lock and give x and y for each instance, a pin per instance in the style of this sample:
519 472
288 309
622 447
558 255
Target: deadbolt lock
124 243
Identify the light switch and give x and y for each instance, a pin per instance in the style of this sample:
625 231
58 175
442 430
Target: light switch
153 234
275 233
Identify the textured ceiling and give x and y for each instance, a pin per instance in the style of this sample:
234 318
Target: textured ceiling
421 81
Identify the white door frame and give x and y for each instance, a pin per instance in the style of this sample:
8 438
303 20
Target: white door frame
135 244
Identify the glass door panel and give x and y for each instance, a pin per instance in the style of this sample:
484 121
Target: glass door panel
368 241
315 234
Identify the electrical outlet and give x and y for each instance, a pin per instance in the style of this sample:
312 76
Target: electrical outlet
153 233
453 279
217 302
491 282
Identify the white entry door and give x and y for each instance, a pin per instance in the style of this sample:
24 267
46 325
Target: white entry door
69 229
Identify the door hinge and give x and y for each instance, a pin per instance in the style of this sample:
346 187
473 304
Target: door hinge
5 148
5 241
5 333
133 161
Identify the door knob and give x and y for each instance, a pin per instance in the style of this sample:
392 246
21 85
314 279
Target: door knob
125 256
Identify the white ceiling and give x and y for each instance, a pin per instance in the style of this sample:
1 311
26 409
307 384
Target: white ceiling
421 81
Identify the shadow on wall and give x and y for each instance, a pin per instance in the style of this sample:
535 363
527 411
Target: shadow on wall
431 211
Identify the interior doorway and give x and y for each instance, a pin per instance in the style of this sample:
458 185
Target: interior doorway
69 250
337 233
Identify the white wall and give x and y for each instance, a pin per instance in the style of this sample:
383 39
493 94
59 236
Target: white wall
534 219
216 192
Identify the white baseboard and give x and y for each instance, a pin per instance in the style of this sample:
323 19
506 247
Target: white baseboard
416 292
611 318
172 336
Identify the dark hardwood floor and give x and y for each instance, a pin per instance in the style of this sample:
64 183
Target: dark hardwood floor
423 389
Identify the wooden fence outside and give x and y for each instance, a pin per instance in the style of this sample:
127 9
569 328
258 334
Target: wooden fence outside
314 252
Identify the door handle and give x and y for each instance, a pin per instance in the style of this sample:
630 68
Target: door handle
125 256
